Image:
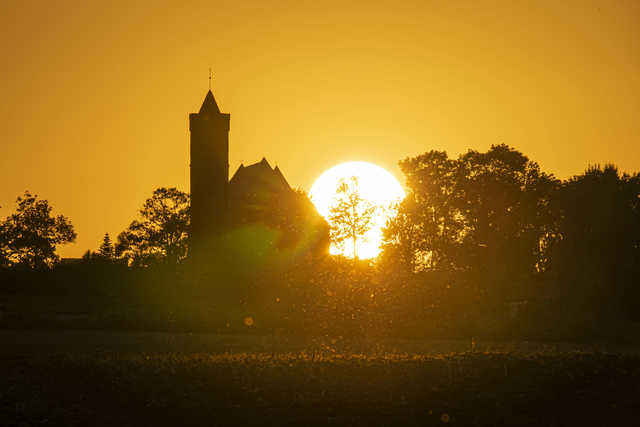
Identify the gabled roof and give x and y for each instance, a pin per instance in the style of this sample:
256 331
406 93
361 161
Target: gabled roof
280 177
209 105
257 178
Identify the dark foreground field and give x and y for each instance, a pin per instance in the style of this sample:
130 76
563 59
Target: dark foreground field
42 385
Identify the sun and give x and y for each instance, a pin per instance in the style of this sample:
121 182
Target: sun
375 185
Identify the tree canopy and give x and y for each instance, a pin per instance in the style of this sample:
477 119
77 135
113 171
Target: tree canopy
30 236
483 213
598 237
161 235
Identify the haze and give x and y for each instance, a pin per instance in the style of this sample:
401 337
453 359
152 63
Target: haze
95 98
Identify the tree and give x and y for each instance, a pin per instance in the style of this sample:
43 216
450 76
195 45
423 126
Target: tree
300 225
351 217
31 235
4 249
427 230
503 198
106 250
596 257
402 243
162 233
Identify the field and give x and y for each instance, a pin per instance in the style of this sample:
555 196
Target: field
100 378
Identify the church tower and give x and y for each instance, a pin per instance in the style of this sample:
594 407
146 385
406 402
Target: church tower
209 166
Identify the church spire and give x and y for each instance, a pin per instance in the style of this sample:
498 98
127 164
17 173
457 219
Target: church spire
209 105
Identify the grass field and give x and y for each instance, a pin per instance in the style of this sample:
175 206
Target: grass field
64 380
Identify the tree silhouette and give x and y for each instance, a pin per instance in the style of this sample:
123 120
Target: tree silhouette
351 217
597 254
162 234
427 231
106 250
4 248
402 243
504 200
30 236
294 215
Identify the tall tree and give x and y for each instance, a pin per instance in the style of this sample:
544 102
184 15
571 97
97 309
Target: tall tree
106 250
162 233
427 231
31 235
504 200
351 216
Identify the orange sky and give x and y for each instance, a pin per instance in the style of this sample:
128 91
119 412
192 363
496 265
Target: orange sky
95 98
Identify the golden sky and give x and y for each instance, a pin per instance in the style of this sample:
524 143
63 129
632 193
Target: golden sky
96 95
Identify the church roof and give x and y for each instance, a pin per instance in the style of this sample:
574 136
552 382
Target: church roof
209 105
279 176
258 178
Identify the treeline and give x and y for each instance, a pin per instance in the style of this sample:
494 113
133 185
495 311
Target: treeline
486 244
495 229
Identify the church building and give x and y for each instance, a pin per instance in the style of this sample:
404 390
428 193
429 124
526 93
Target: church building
256 193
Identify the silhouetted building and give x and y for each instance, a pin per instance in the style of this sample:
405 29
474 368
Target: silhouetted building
250 180
256 193
254 189
209 168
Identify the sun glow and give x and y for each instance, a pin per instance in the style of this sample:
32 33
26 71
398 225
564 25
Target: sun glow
375 185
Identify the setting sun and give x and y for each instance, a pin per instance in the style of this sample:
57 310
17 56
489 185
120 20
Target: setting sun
375 185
